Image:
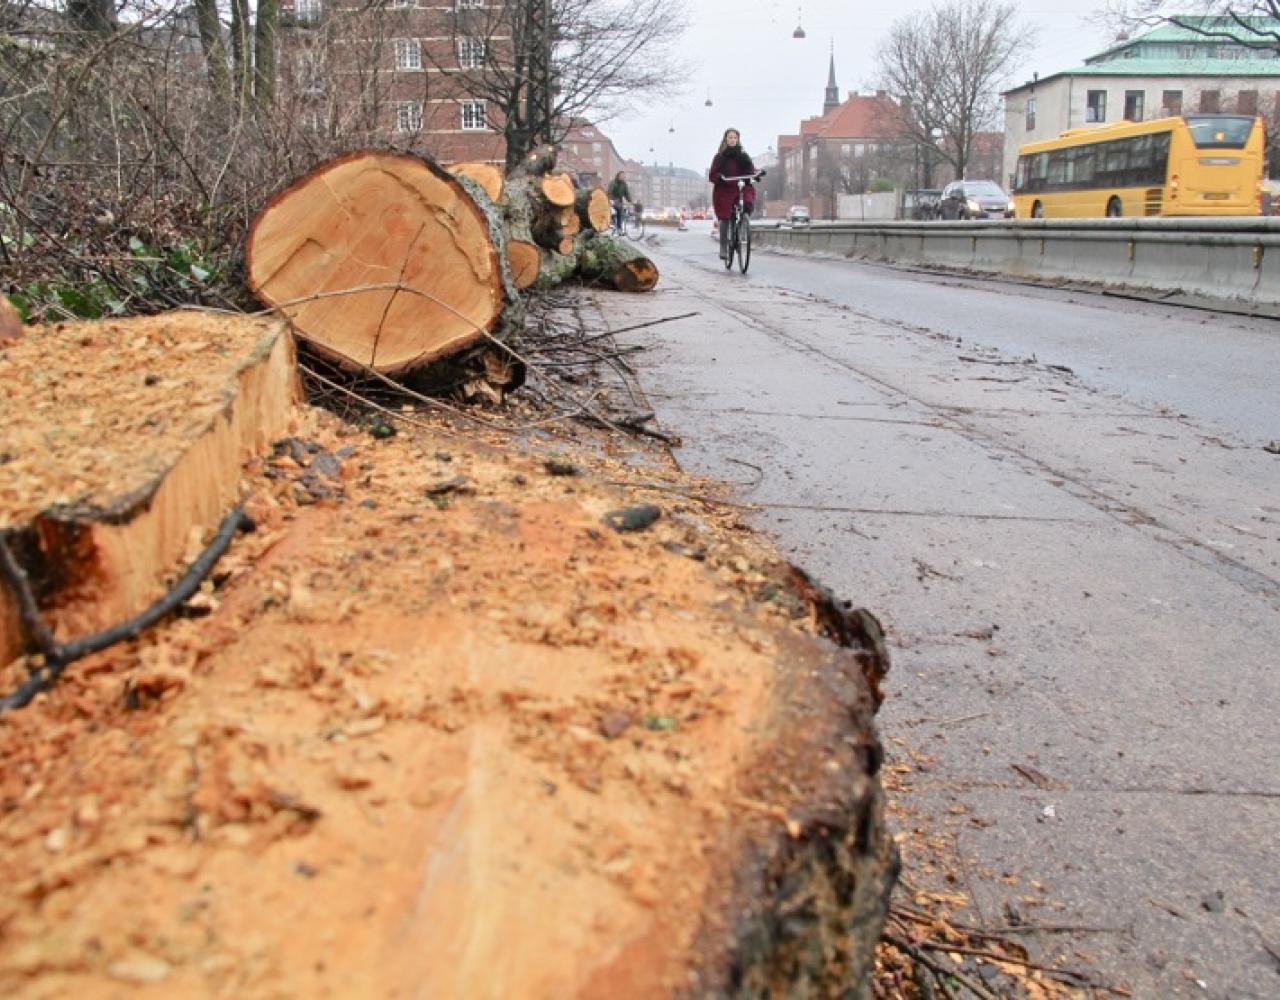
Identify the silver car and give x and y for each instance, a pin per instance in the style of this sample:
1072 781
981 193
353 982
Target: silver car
975 200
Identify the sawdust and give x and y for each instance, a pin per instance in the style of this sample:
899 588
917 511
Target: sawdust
98 411
432 725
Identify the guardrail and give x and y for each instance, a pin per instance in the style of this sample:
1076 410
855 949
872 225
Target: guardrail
1222 258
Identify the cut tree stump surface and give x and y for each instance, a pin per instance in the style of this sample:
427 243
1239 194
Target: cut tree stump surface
120 440
399 227
447 734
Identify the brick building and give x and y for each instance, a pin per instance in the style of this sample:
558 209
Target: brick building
402 72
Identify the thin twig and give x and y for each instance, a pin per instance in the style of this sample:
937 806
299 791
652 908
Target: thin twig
942 970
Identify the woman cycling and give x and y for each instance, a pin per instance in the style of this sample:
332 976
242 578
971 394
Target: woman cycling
731 160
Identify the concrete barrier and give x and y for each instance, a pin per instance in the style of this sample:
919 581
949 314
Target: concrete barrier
1237 259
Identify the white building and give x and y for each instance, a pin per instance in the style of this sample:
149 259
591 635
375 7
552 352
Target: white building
1167 71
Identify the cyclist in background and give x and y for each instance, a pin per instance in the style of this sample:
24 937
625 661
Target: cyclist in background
731 160
620 195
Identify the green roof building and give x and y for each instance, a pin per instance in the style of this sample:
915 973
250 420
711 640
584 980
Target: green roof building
1203 64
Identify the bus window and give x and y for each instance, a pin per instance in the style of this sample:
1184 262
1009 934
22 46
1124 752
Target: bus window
1219 132
1057 169
1040 172
1085 168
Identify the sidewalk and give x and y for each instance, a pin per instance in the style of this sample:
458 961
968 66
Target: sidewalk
1083 704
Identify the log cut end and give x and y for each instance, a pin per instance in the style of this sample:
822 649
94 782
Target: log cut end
130 439
639 275
594 210
487 175
379 259
526 263
558 189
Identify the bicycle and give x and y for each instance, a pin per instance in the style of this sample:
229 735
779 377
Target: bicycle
632 224
739 224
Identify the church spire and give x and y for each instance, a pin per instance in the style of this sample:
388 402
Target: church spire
832 99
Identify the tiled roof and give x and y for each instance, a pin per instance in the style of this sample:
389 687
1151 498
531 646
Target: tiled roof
786 142
861 118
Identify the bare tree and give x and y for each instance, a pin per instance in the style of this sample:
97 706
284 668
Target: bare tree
546 62
946 68
1254 24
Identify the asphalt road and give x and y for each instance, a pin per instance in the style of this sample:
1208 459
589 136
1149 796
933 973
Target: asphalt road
1061 507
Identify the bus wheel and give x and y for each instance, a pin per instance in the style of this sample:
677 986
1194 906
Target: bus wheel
1113 209
1037 211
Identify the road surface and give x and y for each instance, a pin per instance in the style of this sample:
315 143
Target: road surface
1062 508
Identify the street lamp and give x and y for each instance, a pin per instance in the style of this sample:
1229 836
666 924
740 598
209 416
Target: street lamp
799 32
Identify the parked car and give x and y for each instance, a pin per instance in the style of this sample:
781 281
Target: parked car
975 200
797 215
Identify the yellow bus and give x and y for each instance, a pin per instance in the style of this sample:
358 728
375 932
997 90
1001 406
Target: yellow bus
1188 165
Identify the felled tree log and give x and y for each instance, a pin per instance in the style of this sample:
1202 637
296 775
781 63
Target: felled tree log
380 259
126 439
593 209
616 262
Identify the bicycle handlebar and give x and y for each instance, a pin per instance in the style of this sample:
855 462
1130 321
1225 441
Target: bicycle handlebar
745 177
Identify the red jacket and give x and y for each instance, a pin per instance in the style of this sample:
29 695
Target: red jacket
724 195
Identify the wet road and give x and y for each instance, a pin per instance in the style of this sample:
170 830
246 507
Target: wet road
1079 570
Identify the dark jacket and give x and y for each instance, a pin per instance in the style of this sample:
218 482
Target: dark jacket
618 190
730 163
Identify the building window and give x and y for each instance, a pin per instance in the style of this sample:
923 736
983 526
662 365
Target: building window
399 3
408 116
473 116
408 53
306 11
467 4
313 120
595 147
1031 114
1247 102
845 149
470 52
1210 102
1133 105
1095 106
1171 101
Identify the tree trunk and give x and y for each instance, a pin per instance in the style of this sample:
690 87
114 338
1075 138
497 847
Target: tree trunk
241 53
100 513
381 260
215 50
264 54
612 261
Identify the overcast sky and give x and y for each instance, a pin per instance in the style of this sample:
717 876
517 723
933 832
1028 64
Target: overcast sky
764 82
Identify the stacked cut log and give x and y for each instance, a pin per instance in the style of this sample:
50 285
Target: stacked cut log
388 262
126 441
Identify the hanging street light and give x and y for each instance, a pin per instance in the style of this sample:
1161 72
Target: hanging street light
799 32
707 102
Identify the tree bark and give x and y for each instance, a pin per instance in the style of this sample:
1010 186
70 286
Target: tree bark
264 54
214 49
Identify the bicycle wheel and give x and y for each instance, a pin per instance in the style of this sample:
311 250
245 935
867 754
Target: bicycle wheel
635 228
744 244
732 244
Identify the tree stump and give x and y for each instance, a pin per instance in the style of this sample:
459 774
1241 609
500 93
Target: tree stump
129 439
380 260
